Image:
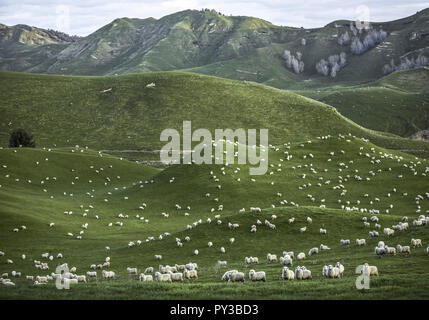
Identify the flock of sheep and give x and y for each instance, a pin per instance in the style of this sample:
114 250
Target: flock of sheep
180 273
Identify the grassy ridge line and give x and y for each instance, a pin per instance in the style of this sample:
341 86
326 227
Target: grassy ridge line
66 110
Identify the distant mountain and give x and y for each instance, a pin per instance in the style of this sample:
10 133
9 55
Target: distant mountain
242 48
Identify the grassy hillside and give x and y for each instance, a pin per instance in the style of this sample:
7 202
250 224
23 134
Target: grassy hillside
81 186
65 111
398 103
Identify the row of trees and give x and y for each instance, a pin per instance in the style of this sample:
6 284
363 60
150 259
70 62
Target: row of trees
294 62
20 138
332 65
406 64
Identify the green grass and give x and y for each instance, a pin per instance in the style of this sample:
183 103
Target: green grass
65 111
24 203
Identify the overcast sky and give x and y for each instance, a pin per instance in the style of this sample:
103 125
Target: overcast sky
82 17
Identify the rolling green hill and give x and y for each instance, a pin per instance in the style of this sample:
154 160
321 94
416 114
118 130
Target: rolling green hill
65 111
398 103
39 185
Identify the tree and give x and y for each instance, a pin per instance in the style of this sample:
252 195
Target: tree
20 138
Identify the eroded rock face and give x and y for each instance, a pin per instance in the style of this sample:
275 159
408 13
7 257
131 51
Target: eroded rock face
421 135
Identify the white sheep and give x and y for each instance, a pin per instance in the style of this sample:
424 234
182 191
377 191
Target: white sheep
163 277
91 274
370 270
403 249
189 274
271 257
345 242
143 277
286 260
176 276
313 251
300 256
149 270
132 271
108 274
257 276
416 242
287 274
360 242
236 277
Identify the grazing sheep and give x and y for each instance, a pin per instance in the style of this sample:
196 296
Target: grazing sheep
108 274
257 276
176 276
189 274
286 260
360 242
379 251
221 263
416 242
143 277
324 247
287 274
403 249
303 229
162 277
313 251
132 271
291 220
210 244
227 274
191 266
149 270
301 273
340 267
196 252
91 274
300 256
389 232
271 257
370 270
309 220
236 277
345 242
322 231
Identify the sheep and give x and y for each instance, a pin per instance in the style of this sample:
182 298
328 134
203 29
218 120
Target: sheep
30 278
257 276
143 277
149 270
42 279
379 251
345 242
360 242
231 240
81 278
301 273
291 220
333 272
303 229
427 250
176 276
210 244
271 257
221 263
236 277
222 249
191 266
196 252
370 270
309 220
132 271
287 274
189 274
91 274
322 231
158 257
300 256
9 261
289 253
389 232
403 249
313 251
163 277
179 267
108 274
324 247
416 242
1 253
227 274
341 268
286 260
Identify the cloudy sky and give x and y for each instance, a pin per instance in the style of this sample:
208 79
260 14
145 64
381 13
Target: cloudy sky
82 17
